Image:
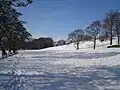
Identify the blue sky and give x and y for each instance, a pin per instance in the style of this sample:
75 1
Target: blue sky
57 18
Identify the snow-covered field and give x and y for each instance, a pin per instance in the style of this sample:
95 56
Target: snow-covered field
63 68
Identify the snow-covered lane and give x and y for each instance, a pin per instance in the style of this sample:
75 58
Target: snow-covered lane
86 69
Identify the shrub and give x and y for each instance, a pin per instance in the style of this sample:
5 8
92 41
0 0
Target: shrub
114 46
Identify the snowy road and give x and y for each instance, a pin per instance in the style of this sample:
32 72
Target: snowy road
62 70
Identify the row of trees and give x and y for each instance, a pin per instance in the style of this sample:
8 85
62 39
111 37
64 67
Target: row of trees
106 30
12 30
39 43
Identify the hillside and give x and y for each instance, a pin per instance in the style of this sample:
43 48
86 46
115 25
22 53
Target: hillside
83 45
63 68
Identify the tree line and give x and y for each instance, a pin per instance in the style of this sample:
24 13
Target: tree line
106 29
39 43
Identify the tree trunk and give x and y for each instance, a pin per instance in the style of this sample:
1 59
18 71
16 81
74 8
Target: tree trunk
77 46
118 39
117 30
14 49
94 42
3 49
10 48
111 36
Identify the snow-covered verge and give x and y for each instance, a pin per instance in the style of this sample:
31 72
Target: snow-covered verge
62 68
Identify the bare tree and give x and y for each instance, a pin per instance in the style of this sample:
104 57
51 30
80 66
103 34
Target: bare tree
76 36
93 30
109 23
104 35
117 24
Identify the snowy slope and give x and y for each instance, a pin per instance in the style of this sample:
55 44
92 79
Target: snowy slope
83 45
63 68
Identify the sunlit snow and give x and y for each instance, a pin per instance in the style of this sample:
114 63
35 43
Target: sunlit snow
63 68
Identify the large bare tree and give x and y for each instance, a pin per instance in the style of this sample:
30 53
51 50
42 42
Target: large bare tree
117 24
76 36
109 23
93 30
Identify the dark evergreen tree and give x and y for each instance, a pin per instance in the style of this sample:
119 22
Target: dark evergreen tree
9 23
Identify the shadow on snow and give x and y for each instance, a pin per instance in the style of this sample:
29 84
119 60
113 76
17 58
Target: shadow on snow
92 78
78 55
